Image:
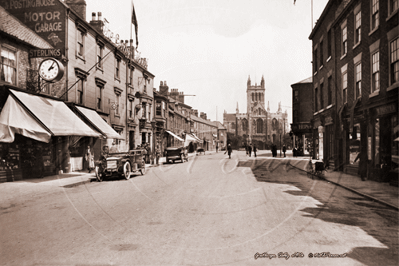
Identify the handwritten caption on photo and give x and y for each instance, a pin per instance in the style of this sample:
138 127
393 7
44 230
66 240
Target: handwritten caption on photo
286 255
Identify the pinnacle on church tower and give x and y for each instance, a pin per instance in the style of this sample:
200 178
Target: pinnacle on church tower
268 106
279 107
262 82
237 111
249 81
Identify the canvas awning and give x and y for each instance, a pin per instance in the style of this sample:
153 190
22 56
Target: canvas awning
39 118
174 135
199 140
189 139
99 123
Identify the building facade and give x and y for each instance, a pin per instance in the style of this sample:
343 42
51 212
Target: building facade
362 69
302 114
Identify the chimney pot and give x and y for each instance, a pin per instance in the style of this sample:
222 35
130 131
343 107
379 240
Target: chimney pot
99 16
93 16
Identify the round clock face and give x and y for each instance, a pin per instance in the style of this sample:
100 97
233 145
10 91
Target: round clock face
49 69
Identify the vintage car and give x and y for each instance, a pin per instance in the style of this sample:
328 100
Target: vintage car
120 164
176 154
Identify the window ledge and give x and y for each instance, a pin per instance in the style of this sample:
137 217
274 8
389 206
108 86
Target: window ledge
99 68
117 115
371 95
315 73
81 58
320 67
328 59
342 57
393 86
328 107
374 30
392 14
117 79
356 45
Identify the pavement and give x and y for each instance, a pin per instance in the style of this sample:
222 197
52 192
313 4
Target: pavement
377 191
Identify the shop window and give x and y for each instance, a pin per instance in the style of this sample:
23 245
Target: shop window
395 142
354 145
394 61
8 68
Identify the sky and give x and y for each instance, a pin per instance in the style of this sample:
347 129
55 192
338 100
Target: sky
209 48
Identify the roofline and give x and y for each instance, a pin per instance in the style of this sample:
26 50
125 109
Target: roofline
321 18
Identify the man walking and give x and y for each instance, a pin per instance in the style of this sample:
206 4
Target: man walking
284 149
229 150
249 149
255 149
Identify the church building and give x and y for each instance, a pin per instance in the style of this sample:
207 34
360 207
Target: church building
258 125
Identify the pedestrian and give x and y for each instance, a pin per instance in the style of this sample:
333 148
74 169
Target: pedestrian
255 149
284 149
294 151
246 149
274 152
148 156
89 159
157 154
249 149
229 150
103 158
217 146
114 148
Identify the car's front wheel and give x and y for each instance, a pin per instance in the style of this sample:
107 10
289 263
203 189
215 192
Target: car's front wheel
127 170
99 175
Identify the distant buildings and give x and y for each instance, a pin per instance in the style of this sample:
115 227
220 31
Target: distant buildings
258 125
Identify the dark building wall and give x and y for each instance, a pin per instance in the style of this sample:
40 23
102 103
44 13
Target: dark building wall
303 106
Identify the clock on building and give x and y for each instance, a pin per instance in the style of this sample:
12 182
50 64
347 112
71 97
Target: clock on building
51 70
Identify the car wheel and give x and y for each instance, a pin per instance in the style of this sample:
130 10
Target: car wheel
127 170
142 170
99 175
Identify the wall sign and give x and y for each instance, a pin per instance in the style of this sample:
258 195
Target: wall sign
385 109
45 17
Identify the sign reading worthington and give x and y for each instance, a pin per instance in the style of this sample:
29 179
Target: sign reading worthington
45 17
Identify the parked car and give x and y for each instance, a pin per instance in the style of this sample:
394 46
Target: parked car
176 154
121 164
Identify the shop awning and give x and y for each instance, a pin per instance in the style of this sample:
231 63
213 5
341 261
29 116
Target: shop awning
195 136
189 139
174 135
99 123
39 118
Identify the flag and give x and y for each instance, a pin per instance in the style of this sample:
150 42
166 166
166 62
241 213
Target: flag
136 25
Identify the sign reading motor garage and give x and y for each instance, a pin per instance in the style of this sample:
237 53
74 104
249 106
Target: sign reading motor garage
45 17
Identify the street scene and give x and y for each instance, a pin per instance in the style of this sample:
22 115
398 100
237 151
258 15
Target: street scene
211 210
168 132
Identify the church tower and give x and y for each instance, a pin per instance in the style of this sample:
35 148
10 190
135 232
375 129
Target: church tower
255 95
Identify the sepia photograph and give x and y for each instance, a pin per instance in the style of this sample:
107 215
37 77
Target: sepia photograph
199 132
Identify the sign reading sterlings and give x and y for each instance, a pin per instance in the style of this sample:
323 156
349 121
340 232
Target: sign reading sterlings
45 17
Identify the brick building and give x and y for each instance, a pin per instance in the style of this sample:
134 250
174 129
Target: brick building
355 45
302 114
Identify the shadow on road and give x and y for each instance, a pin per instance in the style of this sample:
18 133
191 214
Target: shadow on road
375 219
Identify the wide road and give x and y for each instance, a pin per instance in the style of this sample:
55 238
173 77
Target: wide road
209 211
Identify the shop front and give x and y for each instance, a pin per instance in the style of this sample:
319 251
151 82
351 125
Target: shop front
302 138
35 133
382 141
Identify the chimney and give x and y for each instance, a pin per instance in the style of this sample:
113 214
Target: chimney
181 97
164 89
98 24
79 6
195 112
203 115
174 93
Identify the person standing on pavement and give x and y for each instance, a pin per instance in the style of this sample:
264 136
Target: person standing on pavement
255 149
229 150
249 149
157 154
284 149
217 147
89 159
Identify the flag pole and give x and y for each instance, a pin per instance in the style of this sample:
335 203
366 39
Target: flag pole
131 12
